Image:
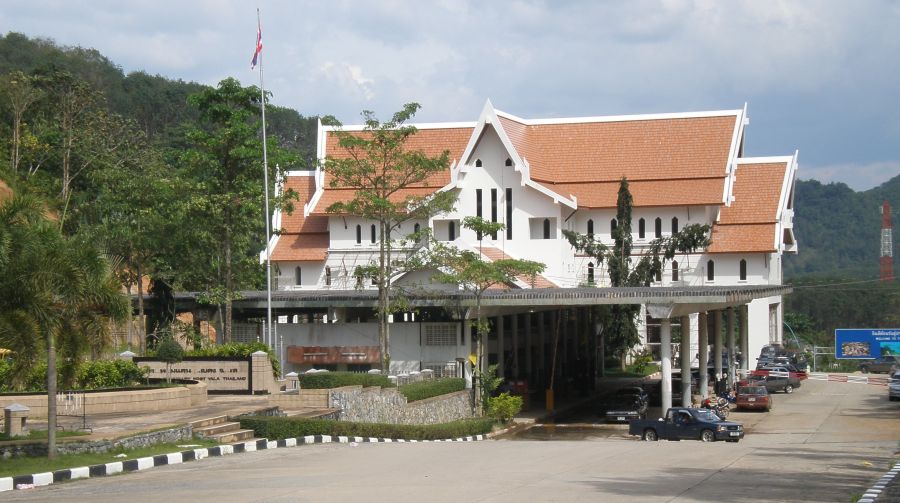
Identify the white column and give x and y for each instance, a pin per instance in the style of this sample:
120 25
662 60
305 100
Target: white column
717 343
731 347
529 356
686 358
515 346
745 341
542 357
665 354
703 343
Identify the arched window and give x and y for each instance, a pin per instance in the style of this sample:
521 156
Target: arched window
743 270
477 163
298 278
612 226
373 234
358 234
657 228
452 231
590 229
508 161
327 276
641 228
546 228
416 229
710 270
674 270
590 273
674 225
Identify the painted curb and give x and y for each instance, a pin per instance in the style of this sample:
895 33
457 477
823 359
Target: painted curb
871 495
140 464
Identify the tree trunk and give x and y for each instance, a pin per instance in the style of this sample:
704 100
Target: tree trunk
229 284
51 397
384 301
142 331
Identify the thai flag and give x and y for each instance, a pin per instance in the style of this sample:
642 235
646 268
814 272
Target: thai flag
258 46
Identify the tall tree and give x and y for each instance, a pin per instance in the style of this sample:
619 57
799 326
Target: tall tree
621 331
223 171
21 94
472 273
377 164
54 292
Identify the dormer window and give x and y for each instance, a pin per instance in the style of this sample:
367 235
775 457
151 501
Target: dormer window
743 270
641 228
590 229
674 225
657 228
298 276
710 270
359 234
373 234
674 270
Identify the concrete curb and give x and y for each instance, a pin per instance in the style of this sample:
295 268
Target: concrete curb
871 495
140 464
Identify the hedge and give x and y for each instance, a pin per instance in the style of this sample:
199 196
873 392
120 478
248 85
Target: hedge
277 428
238 349
426 389
326 380
90 375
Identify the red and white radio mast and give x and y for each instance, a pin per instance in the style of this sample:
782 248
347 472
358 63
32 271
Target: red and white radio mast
887 244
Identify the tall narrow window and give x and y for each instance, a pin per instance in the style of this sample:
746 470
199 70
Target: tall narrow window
494 210
590 229
327 276
657 228
359 234
659 275
478 207
590 273
642 228
509 209
743 270
373 234
674 270
452 230
710 270
546 228
612 226
416 228
674 225
298 277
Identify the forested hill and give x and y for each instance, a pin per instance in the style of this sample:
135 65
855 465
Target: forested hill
838 230
155 103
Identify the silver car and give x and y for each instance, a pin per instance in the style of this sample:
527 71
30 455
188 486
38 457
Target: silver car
894 387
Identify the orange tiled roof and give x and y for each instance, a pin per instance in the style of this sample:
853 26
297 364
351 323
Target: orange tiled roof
645 193
493 253
303 238
749 224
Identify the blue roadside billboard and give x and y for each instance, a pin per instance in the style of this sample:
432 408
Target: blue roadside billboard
866 342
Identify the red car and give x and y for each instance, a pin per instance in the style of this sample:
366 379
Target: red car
750 396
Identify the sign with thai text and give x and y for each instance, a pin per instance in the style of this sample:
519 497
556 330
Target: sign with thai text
219 375
866 342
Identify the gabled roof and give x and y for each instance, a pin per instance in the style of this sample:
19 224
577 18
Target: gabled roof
303 238
493 253
750 224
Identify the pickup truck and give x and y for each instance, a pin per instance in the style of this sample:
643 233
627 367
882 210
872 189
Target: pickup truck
685 423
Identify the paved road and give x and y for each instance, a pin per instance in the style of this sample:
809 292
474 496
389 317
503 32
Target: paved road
826 442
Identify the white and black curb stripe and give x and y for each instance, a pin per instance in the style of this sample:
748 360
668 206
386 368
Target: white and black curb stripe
872 494
134 465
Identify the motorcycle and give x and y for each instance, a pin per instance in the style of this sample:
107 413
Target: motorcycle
719 405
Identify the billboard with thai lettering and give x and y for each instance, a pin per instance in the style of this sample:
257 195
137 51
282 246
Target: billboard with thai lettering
866 342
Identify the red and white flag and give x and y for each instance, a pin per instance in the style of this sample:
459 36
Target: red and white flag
258 50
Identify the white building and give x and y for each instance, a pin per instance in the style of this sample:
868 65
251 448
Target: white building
538 177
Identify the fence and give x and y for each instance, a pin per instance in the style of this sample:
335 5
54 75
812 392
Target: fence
71 404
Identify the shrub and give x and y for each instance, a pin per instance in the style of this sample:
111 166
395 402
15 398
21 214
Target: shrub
504 406
427 389
276 428
109 374
325 380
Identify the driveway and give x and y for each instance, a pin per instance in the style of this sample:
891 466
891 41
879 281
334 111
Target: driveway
826 442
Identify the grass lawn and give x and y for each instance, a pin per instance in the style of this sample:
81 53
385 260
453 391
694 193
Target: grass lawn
26 466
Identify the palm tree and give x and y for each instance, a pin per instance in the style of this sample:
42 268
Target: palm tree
53 290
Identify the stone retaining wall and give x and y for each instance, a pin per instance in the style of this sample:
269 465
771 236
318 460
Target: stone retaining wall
304 399
138 400
16 448
377 405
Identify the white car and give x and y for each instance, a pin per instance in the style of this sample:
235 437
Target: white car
894 387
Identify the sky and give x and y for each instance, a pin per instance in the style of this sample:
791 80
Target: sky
819 77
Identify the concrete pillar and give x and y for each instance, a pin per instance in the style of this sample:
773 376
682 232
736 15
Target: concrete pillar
468 369
745 341
686 358
703 343
515 346
665 356
292 381
15 417
731 347
542 350
501 346
717 343
529 353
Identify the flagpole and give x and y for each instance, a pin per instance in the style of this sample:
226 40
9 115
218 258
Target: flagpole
262 92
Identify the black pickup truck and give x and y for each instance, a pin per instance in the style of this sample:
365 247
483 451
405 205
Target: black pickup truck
684 423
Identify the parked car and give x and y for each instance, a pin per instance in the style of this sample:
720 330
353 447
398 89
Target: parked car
686 423
785 370
883 364
775 383
894 387
753 396
624 407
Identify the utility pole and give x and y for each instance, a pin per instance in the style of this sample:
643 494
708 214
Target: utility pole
886 262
